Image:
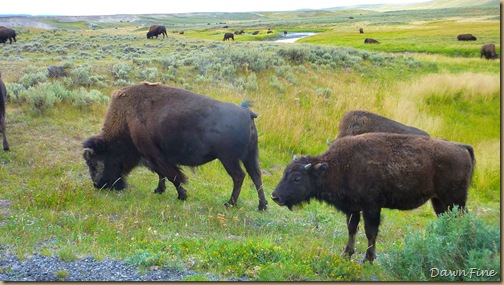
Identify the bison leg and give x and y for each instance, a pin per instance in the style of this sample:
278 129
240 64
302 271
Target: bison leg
371 224
161 185
182 193
252 167
234 170
4 136
442 206
353 219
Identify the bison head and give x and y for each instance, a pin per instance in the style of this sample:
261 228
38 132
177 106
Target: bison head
149 34
104 166
298 183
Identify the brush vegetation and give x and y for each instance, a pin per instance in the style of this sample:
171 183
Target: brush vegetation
300 92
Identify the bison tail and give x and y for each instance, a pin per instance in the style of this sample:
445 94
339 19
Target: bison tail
470 150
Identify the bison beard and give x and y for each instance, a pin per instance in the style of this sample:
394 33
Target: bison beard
368 172
162 128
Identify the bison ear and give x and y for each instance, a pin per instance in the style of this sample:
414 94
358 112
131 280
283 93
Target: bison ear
96 144
321 168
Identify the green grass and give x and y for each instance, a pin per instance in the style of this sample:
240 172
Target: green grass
299 91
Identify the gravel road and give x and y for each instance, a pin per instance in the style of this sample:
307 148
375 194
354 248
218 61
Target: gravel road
45 269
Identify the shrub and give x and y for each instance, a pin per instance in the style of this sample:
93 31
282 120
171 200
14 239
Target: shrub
453 248
42 97
150 74
33 76
121 71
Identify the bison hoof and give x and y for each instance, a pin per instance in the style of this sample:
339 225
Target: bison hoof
229 204
263 207
369 258
349 251
182 196
158 191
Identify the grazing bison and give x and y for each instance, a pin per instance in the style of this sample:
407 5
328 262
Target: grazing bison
3 99
488 51
372 171
228 36
371 41
466 37
361 30
358 122
156 30
255 33
162 128
7 34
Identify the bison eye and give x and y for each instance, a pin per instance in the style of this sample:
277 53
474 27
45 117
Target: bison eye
297 179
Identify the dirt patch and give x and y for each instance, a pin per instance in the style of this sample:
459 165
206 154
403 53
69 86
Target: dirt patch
4 209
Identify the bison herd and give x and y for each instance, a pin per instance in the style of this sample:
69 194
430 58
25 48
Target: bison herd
374 163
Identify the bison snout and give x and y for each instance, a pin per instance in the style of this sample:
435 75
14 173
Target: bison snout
277 199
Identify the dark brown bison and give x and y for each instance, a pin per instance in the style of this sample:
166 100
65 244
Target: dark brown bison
372 171
181 32
255 33
359 122
466 37
371 41
162 128
7 34
361 30
488 51
228 36
3 99
156 30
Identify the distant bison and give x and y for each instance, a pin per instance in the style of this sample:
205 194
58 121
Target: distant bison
162 128
156 30
228 36
7 34
361 30
372 171
255 33
488 51
3 100
466 37
371 41
359 122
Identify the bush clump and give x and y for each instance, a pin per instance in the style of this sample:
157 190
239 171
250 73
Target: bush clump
454 247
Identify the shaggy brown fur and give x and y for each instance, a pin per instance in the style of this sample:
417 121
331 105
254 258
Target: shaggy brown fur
371 41
372 171
359 122
163 127
488 51
7 34
466 37
156 30
228 36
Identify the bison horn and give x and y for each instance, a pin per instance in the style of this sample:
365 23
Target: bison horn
294 157
308 166
90 150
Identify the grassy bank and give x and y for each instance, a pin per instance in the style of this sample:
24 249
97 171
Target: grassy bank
300 92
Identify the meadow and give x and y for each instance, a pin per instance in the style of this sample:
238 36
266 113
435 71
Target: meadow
420 76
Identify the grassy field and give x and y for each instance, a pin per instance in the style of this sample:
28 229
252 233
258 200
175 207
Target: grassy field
420 75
